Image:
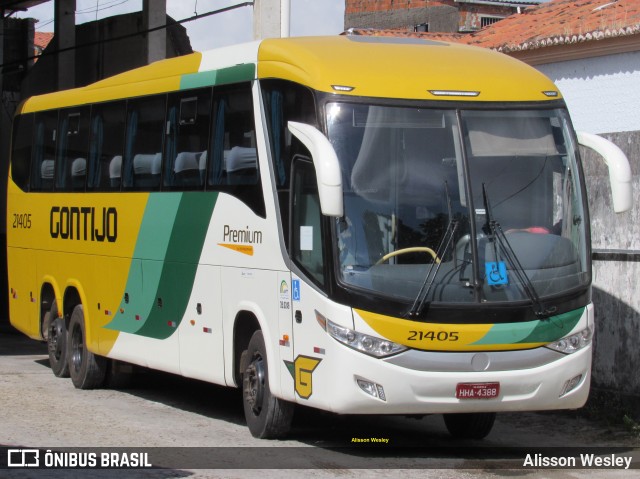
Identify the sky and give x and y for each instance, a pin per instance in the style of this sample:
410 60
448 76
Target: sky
308 17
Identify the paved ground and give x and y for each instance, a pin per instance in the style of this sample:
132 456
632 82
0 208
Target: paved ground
191 427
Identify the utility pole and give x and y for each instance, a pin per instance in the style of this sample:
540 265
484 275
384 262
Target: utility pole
154 14
65 37
271 18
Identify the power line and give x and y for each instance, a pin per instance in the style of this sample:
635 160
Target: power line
129 35
104 6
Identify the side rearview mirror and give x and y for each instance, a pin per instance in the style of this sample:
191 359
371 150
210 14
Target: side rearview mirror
326 164
619 169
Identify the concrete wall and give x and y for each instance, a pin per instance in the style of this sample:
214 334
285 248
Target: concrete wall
602 93
603 97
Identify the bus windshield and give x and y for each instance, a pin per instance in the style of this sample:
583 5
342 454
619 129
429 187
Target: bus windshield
458 206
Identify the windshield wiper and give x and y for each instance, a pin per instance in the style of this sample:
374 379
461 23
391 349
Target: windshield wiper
441 250
494 231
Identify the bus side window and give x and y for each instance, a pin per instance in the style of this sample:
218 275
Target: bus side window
233 166
73 146
21 154
186 140
285 101
235 159
143 146
306 220
106 146
44 152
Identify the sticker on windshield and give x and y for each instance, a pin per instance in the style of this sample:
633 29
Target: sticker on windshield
496 273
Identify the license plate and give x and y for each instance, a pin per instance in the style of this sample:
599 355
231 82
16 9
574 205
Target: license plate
477 390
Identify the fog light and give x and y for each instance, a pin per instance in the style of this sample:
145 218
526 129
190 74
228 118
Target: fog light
372 389
570 385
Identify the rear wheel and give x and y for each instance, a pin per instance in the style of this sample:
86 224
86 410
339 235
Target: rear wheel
86 369
267 416
56 334
475 425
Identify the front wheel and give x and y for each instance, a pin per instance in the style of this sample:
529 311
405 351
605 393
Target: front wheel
267 416
86 369
475 425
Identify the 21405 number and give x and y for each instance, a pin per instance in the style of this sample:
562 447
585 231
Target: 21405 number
22 220
433 336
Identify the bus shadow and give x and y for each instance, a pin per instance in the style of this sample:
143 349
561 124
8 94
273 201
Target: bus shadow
14 343
198 397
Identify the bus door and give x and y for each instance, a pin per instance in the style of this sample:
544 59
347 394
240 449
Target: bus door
308 253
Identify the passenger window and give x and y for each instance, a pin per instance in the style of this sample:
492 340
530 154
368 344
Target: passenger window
106 146
307 220
188 117
143 145
233 166
73 147
235 158
21 154
43 167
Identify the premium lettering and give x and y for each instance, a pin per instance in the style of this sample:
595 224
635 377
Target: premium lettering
84 223
246 235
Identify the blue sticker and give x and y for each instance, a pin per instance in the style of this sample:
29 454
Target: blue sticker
295 289
496 272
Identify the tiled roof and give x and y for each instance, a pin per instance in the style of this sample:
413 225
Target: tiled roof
42 39
558 22
561 22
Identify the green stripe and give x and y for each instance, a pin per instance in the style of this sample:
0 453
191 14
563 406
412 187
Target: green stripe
180 266
170 244
151 245
555 327
235 74
540 331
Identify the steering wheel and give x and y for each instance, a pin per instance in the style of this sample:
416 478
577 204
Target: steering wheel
414 249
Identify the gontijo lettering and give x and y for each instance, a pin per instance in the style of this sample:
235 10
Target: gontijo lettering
84 223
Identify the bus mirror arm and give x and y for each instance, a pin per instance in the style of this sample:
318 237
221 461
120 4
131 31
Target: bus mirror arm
619 169
326 164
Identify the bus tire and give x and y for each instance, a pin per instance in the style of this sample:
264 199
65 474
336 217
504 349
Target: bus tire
57 338
86 369
475 425
268 417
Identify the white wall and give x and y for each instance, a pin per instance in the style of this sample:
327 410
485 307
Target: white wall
602 93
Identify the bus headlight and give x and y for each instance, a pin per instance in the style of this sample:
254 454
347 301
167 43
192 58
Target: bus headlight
573 343
364 343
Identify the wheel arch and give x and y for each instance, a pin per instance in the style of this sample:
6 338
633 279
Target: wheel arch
49 292
73 296
244 325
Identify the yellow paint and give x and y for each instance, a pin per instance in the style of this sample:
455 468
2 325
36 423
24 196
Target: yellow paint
98 270
435 336
303 370
158 77
409 71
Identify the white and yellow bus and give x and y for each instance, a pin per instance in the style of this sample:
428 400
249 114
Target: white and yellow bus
361 225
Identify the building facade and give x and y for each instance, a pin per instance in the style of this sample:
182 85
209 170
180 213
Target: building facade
430 15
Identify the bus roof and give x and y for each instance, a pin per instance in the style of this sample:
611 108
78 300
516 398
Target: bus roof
383 67
407 68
